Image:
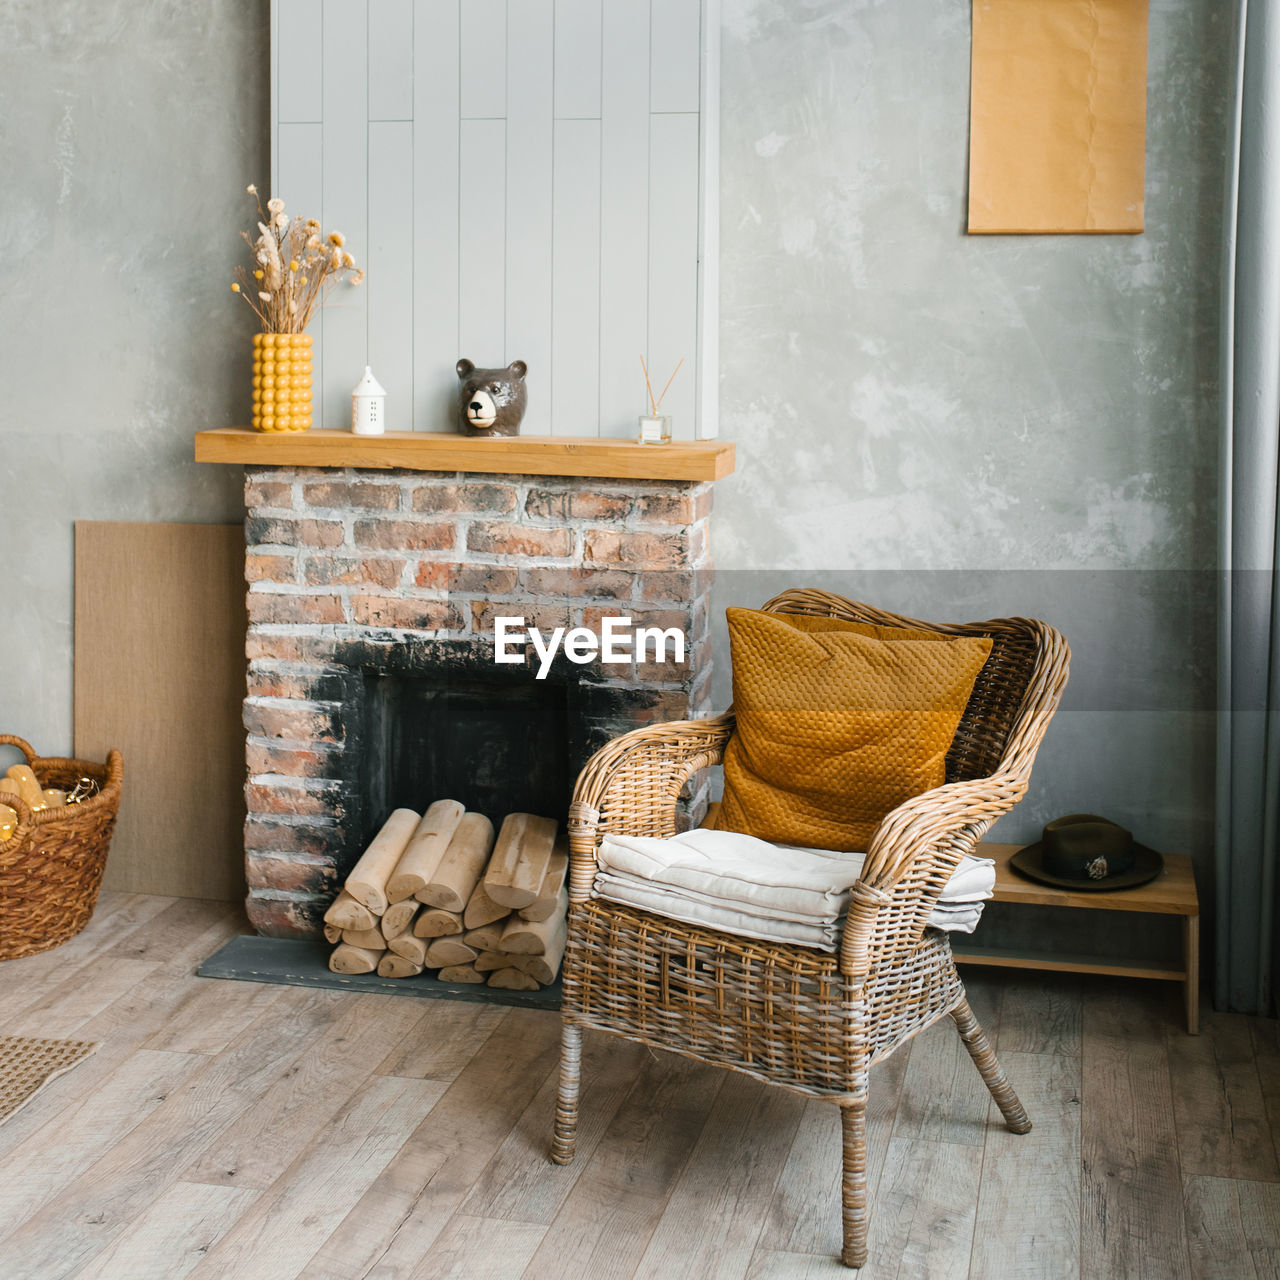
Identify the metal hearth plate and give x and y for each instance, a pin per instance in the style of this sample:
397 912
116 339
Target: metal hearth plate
295 963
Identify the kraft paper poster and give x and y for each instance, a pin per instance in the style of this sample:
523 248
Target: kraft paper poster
1058 116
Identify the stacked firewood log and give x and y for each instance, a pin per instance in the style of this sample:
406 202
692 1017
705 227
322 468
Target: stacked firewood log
438 892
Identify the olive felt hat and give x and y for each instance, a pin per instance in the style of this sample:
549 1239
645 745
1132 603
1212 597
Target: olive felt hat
1085 852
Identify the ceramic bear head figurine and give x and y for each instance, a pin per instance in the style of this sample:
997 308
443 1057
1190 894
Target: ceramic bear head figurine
491 402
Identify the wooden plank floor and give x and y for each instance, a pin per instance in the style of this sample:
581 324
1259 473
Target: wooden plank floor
229 1129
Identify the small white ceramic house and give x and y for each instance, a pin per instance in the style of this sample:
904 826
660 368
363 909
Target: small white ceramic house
368 406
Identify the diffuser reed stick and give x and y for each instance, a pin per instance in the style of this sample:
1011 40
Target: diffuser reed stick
655 405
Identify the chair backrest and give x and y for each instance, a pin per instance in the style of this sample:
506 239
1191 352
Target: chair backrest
999 693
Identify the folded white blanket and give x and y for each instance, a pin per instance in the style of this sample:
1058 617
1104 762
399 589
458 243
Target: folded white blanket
723 916
782 893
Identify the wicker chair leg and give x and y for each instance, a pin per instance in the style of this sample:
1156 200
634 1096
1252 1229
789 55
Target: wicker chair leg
975 1040
566 1131
853 1187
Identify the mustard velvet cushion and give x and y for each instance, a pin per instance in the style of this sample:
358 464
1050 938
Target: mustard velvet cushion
836 726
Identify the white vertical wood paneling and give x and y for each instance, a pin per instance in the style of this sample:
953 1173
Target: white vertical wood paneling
345 185
391 60
528 217
274 92
624 215
389 279
483 59
531 179
435 213
577 59
673 264
298 179
390 271
674 45
482 241
575 315
298 60
708 364
298 183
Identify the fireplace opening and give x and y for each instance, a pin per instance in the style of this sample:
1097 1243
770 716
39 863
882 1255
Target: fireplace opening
497 746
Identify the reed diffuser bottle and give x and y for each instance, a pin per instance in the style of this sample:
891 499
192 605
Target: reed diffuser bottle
655 426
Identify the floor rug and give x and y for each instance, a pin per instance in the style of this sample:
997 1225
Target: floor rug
28 1064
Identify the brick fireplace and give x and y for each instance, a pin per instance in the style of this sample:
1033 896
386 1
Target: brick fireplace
372 595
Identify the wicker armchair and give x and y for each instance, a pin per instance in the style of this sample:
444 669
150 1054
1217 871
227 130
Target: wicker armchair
794 1016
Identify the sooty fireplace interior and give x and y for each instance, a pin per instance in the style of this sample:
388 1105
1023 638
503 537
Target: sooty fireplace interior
493 745
445 721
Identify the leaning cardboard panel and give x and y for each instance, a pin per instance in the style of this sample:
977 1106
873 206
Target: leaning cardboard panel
160 674
1058 116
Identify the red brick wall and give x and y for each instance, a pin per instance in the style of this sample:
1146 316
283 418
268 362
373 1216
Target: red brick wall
385 557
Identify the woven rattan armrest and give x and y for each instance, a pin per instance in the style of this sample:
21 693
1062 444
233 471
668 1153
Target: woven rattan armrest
913 854
631 786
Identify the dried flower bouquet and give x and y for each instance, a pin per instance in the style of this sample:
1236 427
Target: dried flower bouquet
296 267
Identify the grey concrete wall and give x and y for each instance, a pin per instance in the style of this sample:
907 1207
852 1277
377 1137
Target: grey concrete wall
967 427
954 426
128 131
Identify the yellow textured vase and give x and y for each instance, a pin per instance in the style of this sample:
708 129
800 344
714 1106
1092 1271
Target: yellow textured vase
281 381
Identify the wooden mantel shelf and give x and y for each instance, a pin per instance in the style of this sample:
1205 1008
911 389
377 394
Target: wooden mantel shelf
592 456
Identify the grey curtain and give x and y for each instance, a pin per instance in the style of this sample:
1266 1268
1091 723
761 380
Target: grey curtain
1248 782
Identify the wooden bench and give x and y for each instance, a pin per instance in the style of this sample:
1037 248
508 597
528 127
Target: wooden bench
1172 892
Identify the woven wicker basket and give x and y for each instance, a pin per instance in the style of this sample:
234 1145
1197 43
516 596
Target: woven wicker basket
51 868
